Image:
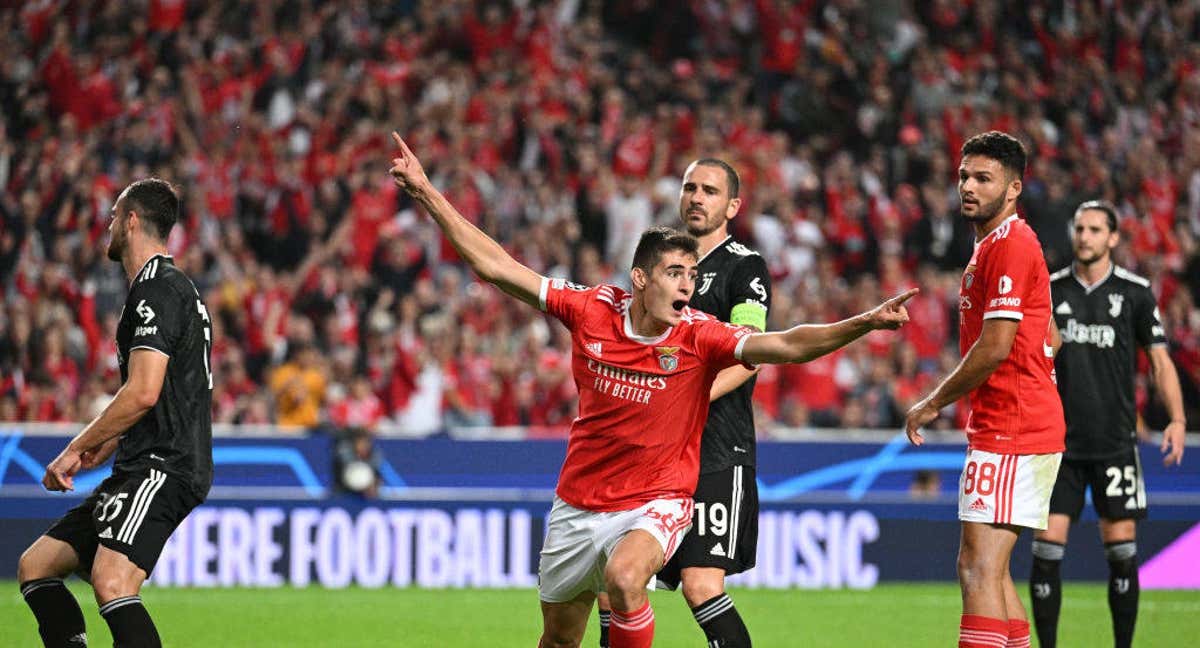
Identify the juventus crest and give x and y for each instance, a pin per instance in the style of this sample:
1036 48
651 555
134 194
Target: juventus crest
1114 304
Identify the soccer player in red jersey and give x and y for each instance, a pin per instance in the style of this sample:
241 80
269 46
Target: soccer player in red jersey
644 363
1016 429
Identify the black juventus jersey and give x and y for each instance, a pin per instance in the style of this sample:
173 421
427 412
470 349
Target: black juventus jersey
164 313
1102 327
733 284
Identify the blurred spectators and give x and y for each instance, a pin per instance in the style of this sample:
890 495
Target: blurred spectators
561 128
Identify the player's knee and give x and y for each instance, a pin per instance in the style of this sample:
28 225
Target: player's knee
111 584
1046 551
699 590
623 579
32 566
974 570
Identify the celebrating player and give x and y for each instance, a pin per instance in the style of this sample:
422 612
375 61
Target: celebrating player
1104 314
1015 431
644 364
159 424
733 283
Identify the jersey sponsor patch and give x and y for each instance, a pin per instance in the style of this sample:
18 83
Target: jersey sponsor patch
145 312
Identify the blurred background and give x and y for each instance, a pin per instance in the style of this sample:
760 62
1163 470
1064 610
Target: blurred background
349 334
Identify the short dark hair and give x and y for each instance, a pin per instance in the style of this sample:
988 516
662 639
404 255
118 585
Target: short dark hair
1001 147
155 202
1110 211
731 176
658 240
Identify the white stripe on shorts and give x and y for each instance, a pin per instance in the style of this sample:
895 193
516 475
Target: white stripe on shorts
138 509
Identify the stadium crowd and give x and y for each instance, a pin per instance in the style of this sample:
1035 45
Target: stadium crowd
562 128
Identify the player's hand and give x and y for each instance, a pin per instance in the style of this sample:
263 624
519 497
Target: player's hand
406 169
892 314
60 474
918 416
1172 443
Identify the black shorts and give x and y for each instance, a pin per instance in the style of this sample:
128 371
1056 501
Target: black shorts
724 530
1118 490
131 513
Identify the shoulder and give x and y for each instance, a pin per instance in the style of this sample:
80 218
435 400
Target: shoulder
739 250
1061 274
166 281
1130 277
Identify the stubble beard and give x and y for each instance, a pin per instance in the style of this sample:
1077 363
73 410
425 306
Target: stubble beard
986 212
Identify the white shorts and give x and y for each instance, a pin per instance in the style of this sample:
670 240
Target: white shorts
578 542
1007 489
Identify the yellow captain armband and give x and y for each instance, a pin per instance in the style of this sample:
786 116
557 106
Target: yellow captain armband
749 313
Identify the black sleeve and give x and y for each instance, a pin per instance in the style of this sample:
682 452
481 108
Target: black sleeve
749 293
158 316
1147 325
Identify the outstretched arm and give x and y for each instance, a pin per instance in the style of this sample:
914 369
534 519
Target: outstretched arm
486 257
809 341
992 347
1166 380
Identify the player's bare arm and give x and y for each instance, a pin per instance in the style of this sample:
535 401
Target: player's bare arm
1055 338
809 341
993 346
729 379
147 369
1166 380
486 257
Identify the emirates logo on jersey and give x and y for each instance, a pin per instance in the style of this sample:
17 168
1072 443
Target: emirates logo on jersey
667 359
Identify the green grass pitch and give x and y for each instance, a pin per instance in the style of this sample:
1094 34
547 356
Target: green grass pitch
890 615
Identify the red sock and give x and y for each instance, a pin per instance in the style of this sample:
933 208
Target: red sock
976 631
632 629
1018 634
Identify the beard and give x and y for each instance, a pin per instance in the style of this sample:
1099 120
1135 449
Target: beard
1086 258
698 230
986 211
116 248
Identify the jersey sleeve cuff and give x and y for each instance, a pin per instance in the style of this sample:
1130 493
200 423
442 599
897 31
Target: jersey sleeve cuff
146 346
543 290
737 351
1004 314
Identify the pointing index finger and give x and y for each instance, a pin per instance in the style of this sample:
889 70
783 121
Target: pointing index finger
904 296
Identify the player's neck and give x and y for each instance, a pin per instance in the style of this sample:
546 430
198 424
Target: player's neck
1092 272
138 254
643 323
712 240
988 226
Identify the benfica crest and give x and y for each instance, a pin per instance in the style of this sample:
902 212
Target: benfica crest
969 277
667 358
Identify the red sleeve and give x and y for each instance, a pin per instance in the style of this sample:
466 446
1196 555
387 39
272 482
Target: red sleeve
566 300
1008 278
720 344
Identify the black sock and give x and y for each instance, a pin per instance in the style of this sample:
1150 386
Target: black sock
60 621
130 623
605 619
1045 590
1123 590
721 623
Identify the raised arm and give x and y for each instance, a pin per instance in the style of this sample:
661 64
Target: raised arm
808 341
486 257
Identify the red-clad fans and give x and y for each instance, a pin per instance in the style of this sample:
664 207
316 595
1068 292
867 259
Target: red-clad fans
556 125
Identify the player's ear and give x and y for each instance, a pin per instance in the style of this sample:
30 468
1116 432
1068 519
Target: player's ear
732 209
639 278
1014 189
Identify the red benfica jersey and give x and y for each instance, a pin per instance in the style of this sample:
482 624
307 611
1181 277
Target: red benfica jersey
642 401
1017 409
